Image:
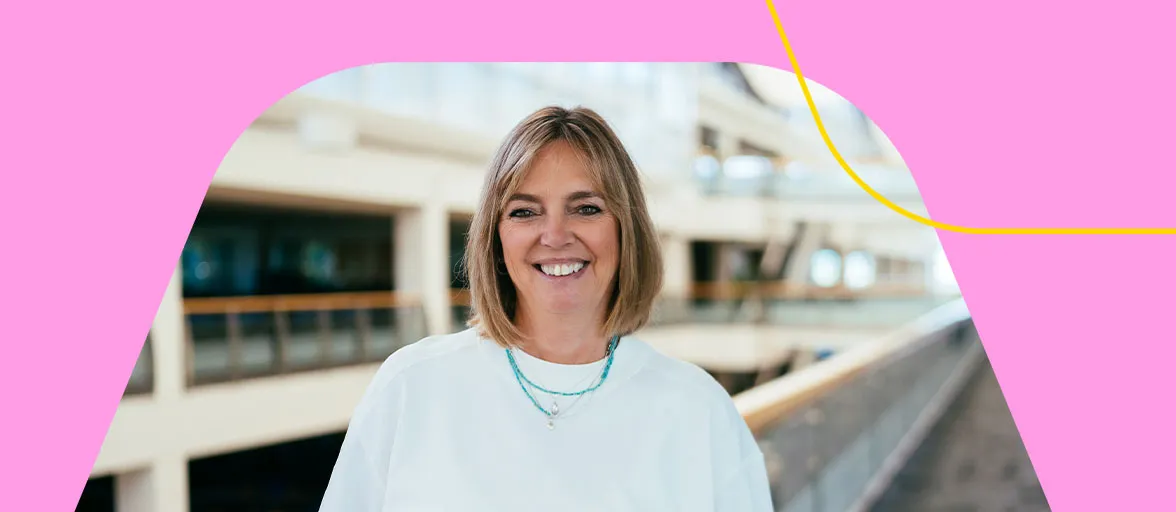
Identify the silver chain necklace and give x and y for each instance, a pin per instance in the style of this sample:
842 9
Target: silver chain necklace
552 413
555 410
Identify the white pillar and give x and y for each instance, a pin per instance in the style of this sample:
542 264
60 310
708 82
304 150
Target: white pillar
728 145
798 267
725 262
168 346
422 262
676 255
780 235
162 487
918 273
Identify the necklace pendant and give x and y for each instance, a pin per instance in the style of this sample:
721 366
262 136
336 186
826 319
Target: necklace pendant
554 408
550 424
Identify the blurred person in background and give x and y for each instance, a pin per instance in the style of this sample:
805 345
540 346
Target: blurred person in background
548 401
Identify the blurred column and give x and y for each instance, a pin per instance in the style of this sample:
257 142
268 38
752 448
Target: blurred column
169 344
422 262
798 267
901 270
919 274
728 145
163 487
726 261
780 237
676 253
882 268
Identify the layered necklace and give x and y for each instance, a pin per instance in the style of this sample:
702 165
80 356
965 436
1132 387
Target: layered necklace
554 411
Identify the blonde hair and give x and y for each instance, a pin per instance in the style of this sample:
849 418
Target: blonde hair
639 271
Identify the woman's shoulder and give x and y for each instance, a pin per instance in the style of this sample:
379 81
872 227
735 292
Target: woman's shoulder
690 390
426 352
677 374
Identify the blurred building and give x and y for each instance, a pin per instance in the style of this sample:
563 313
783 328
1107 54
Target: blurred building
332 232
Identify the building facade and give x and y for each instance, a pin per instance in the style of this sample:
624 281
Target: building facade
331 232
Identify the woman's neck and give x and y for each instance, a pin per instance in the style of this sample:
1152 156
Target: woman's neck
563 339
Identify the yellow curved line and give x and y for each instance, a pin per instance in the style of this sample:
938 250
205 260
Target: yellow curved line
923 220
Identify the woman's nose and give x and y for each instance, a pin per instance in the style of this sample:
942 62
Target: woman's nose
556 232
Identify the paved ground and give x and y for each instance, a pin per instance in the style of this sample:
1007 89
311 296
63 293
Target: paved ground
972 461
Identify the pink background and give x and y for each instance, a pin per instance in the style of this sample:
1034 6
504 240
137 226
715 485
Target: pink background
1010 113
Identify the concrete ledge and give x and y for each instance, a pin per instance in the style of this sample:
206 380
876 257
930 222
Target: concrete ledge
216 419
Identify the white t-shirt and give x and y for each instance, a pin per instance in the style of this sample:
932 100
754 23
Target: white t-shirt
445 426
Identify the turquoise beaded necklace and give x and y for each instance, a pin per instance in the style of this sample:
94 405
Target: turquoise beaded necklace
524 382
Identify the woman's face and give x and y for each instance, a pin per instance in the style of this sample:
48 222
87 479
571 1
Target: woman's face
560 243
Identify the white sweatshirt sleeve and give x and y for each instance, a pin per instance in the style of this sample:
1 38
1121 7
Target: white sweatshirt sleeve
741 474
359 479
357 483
747 489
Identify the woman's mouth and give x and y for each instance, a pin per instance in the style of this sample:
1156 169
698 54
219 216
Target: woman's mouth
561 269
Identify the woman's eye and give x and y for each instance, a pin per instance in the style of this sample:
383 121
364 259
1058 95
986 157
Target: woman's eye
521 213
589 210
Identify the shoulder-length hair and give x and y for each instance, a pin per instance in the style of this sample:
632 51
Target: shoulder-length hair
639 271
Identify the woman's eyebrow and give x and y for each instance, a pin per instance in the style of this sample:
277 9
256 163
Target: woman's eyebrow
523 197
583 194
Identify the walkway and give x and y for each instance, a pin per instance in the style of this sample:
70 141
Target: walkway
973 460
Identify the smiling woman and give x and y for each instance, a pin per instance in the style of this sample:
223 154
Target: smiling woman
548 401
560 245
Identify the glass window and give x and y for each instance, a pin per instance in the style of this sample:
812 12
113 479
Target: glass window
825 268
219 262
318 262
859 270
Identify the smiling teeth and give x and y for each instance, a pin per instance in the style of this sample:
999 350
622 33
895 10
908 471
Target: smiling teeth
562 270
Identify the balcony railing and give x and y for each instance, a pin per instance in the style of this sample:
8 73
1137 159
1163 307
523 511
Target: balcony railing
231 338
756 176
831 431
783 303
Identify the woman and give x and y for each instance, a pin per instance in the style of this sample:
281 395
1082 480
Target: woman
548 402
